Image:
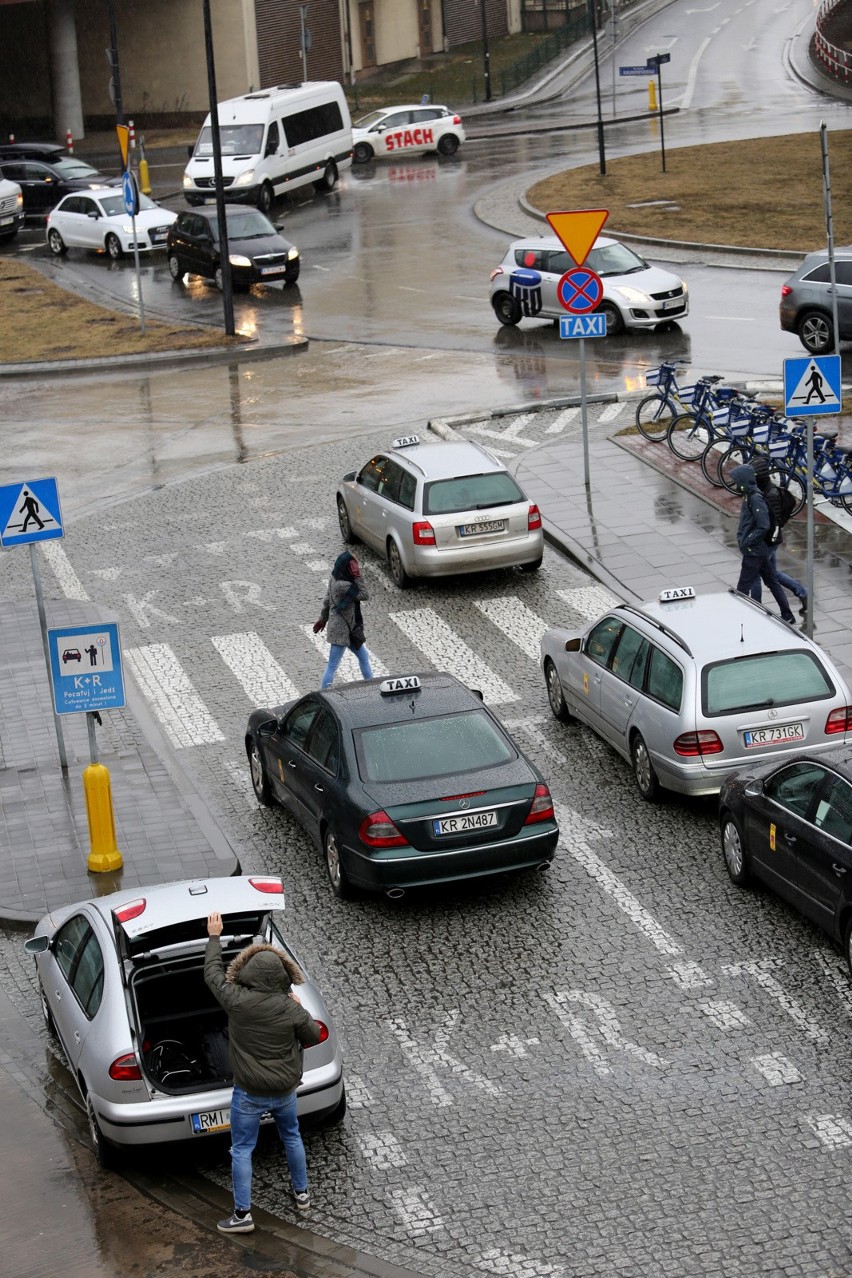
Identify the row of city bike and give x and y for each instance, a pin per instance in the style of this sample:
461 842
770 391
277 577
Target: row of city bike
722 428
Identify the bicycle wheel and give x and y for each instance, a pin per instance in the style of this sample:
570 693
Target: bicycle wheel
794 483
688 437
733 456
654 416
710 459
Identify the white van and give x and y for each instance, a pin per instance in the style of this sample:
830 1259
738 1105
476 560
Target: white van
273 141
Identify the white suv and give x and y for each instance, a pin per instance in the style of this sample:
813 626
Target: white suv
635 294
11 209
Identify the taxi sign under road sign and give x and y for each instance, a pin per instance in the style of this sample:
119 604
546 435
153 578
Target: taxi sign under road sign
579 290
812 386
578 230
29 512
582 325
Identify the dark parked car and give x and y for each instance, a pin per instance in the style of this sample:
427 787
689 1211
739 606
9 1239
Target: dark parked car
45 173
402 783
258 254
806 307
790 824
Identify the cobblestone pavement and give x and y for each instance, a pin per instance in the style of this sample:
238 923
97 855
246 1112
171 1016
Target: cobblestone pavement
623 1067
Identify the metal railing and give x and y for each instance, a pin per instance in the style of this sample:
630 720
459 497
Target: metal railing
548 49
835 62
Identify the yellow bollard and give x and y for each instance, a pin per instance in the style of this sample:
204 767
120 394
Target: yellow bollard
144 181
104 855
652 95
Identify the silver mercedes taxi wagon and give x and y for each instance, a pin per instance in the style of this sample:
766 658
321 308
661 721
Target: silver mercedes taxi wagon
690 687
438 509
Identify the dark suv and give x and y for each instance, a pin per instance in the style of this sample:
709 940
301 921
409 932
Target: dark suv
806 301
45 173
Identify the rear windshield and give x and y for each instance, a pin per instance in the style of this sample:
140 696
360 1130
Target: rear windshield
420 748
767 679
470 492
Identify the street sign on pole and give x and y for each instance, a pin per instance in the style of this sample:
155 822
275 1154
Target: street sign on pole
657 59
29 512
578 229
579 290
131 194
812 386
582 325
643 71
85 668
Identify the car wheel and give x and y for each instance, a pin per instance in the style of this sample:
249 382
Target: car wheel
733 850
328 181
816 332
614 321
112 244
176 270
448 144
643 770
532 567
340 884
105 1152
555 695
55 243
398 574
265 197
337 1114
193 201
47 1015
343 519
259 779
362 153
506 308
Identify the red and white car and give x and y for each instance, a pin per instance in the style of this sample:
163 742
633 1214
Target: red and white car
406 130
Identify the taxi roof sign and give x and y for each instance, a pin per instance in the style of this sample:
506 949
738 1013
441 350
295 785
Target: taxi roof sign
406 441
578 230
403 683
677 592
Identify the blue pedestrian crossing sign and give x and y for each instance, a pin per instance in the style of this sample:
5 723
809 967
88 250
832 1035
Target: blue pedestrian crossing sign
29 512
85 668
812 386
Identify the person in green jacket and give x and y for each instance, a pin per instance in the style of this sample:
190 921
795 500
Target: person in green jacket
267 1029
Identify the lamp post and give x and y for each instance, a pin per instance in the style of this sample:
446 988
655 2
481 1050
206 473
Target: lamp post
593 20
486 56
224 252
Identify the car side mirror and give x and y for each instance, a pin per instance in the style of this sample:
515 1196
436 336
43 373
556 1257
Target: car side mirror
347 479
574 645
94 216
37 944
279 228
189 151
753 789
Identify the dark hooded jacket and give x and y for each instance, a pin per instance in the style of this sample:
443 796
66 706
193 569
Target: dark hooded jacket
754 515
771 494
266 1028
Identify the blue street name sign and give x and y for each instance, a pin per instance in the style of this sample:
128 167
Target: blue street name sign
646 70
85 668
812 386
29 512
582 326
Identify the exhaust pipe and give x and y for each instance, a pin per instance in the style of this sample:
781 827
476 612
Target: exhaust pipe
395 893
545 865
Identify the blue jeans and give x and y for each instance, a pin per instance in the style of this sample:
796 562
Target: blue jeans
246 1113
789 583
335 657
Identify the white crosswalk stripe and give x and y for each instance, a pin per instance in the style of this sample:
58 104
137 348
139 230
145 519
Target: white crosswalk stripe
348 670
518 622
565 418
588 601
448 651
609 413
183 715
248 657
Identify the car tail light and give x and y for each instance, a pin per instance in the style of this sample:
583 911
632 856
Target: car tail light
533 518
498 270
378 831
274 887
698 743
785 290
456 119
125 1068
840 720
423 533
130 911
542 806
323 1032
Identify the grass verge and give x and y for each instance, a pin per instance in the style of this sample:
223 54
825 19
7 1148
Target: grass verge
39 321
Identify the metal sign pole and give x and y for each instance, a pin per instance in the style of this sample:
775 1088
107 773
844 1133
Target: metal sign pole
660 103
826 188
42 621
585 418
138 275
809 576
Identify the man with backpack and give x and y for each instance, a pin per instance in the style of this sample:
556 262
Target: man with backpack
754 527
780 505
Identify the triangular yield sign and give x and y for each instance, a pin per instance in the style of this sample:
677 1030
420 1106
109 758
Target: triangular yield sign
578 230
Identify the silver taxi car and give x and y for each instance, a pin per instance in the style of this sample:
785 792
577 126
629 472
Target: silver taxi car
689 688
438 509
122 988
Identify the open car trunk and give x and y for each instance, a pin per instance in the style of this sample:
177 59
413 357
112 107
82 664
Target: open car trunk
182 1029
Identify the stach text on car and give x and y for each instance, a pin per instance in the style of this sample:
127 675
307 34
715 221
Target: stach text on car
406 130
403 783
686 687
438 509
98 220
789 824
257 252
121 984
635 294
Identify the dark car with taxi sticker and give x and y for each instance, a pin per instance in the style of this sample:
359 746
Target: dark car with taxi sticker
688 687
402 783
789 824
